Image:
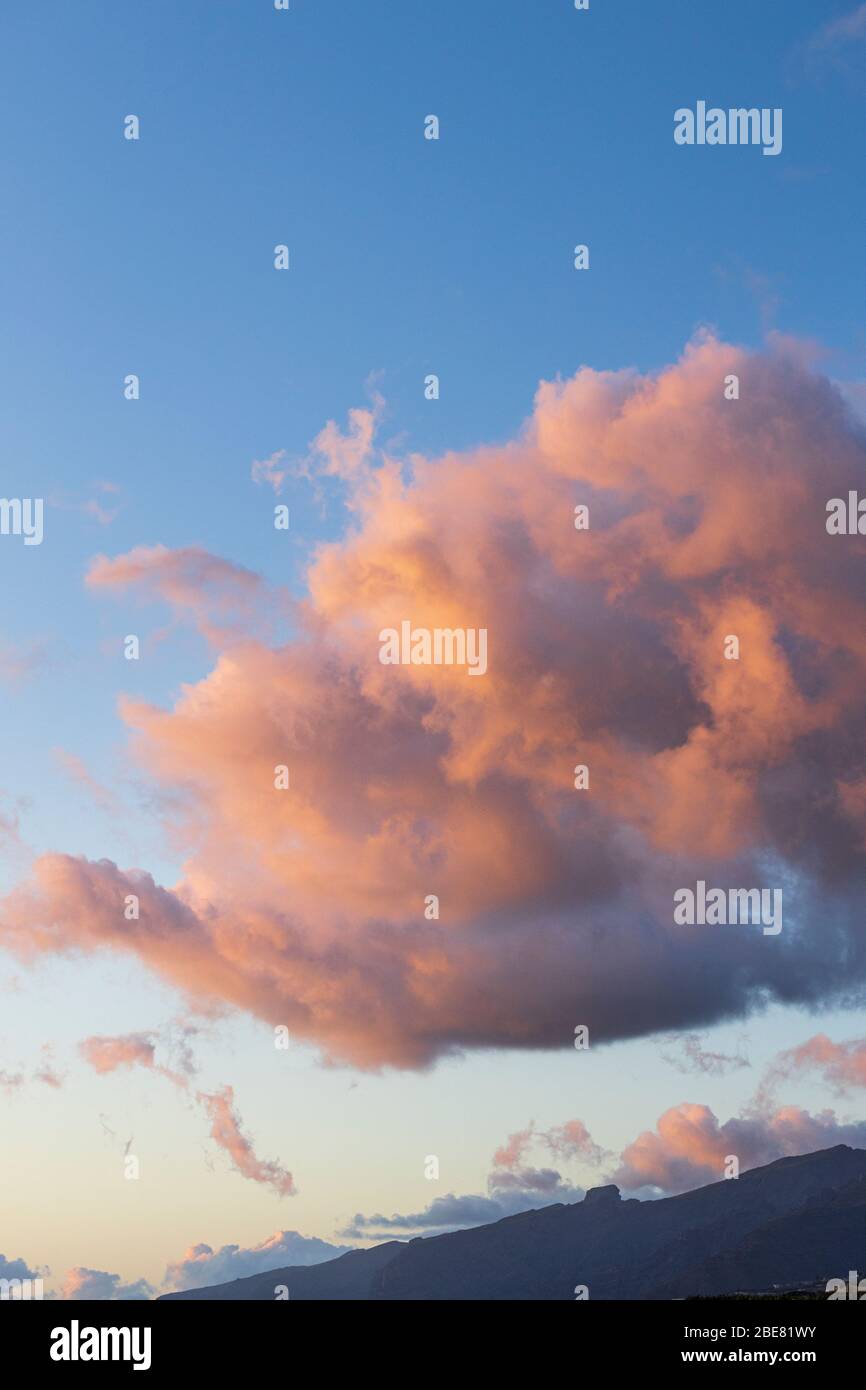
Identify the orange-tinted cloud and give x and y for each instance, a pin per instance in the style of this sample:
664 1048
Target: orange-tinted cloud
305 906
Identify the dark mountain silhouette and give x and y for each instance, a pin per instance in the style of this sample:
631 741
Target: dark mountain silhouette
793 1221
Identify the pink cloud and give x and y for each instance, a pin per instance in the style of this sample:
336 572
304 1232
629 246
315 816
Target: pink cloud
511 1153
842 1065
306 907
49 1077
227 1133
689 1146
107 1054
216 593
573 1140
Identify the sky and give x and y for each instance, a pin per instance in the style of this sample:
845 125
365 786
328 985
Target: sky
412 1038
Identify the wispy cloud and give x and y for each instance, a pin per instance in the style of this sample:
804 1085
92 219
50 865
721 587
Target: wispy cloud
687 1054
835 47
108 1054
77 769
22 662
95 507
845 29
226 1131
273 470
842 1066
227 602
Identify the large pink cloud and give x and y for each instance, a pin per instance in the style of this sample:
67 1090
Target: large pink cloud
305 906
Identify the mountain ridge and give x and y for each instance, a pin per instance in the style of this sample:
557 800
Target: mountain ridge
802 1217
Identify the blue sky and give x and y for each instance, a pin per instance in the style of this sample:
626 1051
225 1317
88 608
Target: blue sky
407 257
